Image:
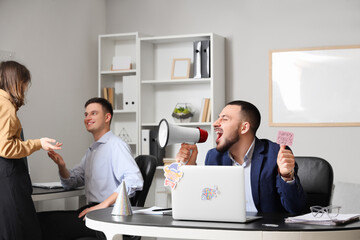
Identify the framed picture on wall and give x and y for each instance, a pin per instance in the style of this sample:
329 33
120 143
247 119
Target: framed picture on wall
180 68
315 87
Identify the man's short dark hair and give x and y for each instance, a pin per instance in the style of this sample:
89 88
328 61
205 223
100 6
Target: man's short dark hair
106 105
250 113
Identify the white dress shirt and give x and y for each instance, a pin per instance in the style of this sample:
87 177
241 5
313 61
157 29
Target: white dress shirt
105 165
250 205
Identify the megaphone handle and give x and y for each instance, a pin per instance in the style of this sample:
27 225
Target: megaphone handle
185 163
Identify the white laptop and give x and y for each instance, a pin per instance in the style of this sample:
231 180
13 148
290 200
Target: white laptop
210 193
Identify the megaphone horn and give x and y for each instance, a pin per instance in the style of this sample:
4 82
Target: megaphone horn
171 134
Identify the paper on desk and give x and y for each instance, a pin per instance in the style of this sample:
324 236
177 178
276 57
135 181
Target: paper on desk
324 219
49 185
150 211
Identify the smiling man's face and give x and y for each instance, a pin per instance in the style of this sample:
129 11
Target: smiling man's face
96 119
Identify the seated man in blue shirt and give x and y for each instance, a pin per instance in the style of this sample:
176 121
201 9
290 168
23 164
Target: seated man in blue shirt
107 163
271 181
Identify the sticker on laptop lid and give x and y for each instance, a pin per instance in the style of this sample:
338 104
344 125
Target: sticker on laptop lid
285 138
209 193
173 174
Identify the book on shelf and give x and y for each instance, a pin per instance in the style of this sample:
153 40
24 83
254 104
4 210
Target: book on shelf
108 94
105 93
111 96
205 106
201 109
208 115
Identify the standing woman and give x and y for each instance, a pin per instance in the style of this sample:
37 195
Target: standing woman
18 218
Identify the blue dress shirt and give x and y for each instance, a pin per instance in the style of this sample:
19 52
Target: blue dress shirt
105 165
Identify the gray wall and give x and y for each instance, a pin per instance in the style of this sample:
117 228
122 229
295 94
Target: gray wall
251 29
57 41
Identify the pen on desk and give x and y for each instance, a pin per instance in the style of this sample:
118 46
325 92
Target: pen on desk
162 209
270 225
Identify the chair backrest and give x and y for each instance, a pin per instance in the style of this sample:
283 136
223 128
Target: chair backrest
316 177
147 165
347 196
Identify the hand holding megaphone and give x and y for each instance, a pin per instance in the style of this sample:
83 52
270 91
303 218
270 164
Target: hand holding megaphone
187 154
171 134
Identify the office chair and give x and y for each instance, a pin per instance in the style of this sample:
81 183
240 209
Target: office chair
147 165
316 177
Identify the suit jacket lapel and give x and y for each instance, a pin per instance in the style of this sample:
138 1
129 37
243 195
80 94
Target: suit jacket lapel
256 164
227 160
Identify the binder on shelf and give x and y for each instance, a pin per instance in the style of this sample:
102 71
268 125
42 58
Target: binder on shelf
155 149
129 93
145 141
197 59
118 95
205 59
150 146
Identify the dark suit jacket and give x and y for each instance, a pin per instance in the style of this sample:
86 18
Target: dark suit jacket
270 192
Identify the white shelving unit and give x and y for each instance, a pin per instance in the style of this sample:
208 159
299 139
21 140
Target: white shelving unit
157 94
124 121
160 94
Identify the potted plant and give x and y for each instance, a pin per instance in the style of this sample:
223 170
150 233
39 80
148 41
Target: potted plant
182 113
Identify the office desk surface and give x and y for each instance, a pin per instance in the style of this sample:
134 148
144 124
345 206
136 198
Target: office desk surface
41 194
165 226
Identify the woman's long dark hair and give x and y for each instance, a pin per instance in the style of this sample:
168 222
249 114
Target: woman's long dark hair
14 79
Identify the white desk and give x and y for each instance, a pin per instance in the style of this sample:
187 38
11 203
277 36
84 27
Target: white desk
41 194
166 227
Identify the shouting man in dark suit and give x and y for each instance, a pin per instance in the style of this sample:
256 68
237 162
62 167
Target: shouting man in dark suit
271 181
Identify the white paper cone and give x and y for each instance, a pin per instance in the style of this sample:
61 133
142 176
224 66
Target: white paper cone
122 205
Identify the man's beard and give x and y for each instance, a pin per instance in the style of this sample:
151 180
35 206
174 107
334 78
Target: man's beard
228 142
